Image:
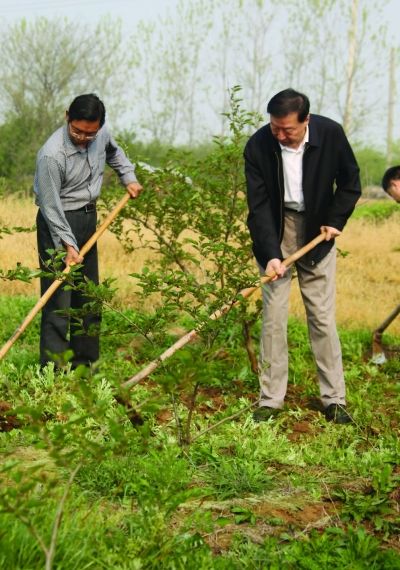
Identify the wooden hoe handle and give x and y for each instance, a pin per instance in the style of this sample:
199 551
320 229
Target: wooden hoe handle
56 284
244 293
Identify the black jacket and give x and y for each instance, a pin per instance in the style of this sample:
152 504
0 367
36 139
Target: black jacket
331 187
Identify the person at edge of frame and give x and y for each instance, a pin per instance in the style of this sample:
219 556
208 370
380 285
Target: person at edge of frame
302 179
391 182
68 179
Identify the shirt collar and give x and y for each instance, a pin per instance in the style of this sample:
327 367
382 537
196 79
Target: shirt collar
300 148
70 147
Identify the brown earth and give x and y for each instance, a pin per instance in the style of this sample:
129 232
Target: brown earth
8 421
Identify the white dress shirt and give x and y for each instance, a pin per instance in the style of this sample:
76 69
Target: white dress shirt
292 159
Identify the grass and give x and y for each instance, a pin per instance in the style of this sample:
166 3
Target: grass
295 492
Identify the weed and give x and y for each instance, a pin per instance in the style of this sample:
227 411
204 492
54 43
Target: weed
349 548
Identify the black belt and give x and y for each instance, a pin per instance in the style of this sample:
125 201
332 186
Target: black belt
91 207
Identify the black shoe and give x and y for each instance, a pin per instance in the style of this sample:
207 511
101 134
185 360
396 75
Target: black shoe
337 414
263 413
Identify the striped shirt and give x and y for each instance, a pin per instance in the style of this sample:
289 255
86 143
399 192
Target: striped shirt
69 176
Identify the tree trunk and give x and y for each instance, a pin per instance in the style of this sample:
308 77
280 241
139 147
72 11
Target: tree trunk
391 104
249 344
351 67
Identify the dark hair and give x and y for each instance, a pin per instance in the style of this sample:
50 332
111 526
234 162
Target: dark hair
87 107
392 173
289 101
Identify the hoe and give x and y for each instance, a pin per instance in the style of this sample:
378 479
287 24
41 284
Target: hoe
56 284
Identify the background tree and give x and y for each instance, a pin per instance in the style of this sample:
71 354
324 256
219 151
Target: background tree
169 80
308 54
359 50
226 31
43 65
337 64
391 106
171 87
257 71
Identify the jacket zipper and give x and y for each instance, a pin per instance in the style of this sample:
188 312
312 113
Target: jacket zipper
312 262
282 196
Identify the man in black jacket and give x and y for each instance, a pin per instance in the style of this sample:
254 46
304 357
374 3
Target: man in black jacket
302 178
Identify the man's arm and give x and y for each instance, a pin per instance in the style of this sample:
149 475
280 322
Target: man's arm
134 189
260 221
348 185
72 257
48 181
119 162
275 268
330 232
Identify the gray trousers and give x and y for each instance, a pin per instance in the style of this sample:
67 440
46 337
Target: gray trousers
318 289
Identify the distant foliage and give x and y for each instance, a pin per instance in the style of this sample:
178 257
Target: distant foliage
377 211
168 80
44 64
372 163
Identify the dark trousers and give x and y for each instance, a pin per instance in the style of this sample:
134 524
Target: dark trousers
59 332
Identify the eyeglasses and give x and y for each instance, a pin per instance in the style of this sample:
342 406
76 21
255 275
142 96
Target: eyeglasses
80 135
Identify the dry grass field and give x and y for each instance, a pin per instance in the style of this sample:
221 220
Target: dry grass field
368 278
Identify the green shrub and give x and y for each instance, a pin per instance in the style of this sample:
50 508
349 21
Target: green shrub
378 211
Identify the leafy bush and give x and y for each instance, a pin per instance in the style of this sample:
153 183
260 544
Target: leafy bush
376 211
372 163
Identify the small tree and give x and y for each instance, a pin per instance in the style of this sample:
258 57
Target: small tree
64 443
194 217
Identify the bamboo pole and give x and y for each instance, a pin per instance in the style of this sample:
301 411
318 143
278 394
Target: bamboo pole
244 293
56 284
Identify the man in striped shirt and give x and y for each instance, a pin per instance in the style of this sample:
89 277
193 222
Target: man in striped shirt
68 180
